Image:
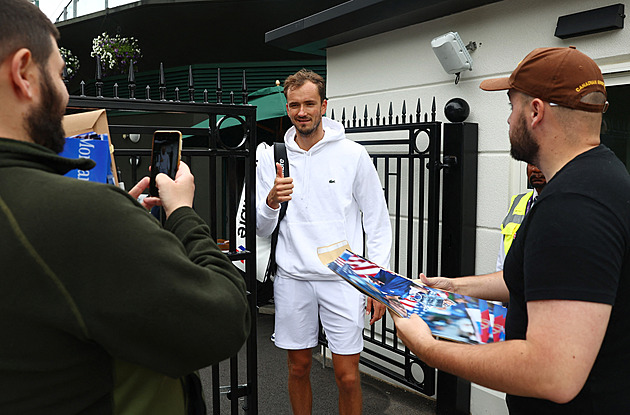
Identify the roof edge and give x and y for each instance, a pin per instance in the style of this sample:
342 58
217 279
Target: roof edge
357 19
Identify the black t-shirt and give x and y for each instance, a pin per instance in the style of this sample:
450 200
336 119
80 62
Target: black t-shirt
575 245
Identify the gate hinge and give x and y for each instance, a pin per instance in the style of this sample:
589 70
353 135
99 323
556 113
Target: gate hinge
448 162
241 392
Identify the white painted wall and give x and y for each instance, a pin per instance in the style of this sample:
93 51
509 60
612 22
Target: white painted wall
400 65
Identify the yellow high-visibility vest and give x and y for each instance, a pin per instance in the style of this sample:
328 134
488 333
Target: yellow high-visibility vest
514 218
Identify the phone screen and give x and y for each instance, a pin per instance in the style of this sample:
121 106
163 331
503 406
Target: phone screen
165 156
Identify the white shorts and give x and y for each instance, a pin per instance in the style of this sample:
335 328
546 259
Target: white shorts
340 307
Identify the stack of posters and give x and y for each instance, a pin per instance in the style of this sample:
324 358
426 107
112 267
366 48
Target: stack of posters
449 315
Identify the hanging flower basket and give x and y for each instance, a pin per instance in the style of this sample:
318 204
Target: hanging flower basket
72 62
116 52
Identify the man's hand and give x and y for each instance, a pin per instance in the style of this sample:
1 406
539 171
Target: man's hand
173 193
281 190
442 283
176 193
140 187
414 333
489 286
148 202
378 312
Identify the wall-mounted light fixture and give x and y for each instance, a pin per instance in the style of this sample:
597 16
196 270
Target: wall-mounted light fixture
453 54
133 137
590 21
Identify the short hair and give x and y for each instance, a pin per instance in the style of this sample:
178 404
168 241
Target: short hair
595 98
24 25
301 77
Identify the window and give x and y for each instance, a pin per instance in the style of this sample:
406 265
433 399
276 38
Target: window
616 122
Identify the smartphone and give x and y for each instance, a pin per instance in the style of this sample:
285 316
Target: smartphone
166 152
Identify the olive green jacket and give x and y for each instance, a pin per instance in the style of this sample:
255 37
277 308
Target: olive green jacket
102 310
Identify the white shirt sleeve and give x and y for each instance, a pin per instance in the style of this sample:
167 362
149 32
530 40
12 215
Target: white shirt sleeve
266 217
368 192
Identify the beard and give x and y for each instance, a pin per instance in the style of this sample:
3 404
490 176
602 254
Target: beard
44 123
306 131
523 146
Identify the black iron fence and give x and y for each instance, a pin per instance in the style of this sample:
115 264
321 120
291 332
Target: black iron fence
223 162
407 152
413 156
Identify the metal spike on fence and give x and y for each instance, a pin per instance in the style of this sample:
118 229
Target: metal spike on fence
365 116
148 91
99 78
116 90
191 85
391 112
98 73
378 114
219 87
205 96
332 114
244 92
343 116
131 78
433 111
162 82
354 117
176 94
404 112
418 111
82 88
231 97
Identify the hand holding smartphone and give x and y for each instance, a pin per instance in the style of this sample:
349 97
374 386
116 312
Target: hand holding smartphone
165 156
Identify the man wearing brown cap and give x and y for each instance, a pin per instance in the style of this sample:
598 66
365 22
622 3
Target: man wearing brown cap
567 274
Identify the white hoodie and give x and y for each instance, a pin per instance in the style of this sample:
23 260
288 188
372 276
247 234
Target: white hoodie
335 186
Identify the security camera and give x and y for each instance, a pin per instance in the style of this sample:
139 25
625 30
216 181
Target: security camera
452 53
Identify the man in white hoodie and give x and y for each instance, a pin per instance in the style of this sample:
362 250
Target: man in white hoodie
335 195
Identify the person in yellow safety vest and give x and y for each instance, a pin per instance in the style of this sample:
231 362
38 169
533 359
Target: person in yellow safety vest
519 206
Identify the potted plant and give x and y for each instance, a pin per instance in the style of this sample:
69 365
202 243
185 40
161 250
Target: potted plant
72 62
116 52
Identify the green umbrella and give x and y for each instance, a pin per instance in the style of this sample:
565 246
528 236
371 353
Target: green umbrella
270 103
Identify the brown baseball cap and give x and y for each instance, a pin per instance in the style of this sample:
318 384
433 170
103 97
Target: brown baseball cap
557 75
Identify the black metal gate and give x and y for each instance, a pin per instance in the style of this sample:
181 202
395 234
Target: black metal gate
407 151
224 159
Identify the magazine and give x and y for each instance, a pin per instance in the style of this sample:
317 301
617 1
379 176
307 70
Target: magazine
449 315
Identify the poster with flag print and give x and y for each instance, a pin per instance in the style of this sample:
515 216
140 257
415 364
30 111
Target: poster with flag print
449 315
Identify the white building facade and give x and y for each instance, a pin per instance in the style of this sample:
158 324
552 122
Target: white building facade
399 65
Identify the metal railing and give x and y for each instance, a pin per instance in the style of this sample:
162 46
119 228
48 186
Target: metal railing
406 150
78 8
